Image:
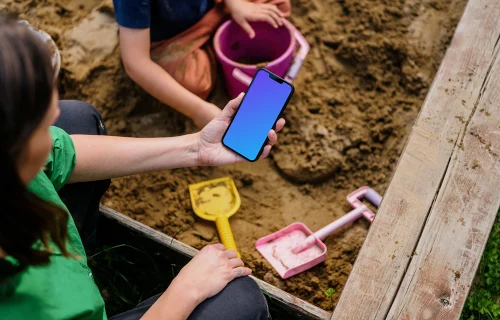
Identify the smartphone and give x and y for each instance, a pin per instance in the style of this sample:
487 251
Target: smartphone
263 104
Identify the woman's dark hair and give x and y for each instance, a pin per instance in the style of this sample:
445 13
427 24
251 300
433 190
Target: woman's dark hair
26 86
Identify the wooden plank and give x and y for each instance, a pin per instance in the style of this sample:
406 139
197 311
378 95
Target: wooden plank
450 105
303 308
149 232
438 279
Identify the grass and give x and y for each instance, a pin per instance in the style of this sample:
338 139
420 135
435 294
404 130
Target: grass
484 298
329 293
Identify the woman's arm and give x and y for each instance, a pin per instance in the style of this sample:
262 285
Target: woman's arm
203 277
176 303
135 47
104 157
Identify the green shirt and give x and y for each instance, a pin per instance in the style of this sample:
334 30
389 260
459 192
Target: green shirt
65 288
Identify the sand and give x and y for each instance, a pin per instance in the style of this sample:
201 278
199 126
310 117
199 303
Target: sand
357 96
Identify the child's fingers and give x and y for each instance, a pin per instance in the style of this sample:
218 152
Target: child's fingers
274 15
275 9
264 16
248 29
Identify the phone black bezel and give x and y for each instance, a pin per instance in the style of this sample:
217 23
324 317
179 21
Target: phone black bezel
277 118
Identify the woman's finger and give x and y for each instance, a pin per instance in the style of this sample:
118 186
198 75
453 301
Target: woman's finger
219 246
279 125
241 272
272 137
231 107
236 263
266 151
230 254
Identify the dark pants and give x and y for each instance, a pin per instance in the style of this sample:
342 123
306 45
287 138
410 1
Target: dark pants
240 300
82 199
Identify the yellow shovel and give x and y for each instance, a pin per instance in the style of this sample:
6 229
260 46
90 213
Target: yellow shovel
217 200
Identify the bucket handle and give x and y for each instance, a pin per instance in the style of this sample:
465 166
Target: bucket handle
242 77
301 54
297 60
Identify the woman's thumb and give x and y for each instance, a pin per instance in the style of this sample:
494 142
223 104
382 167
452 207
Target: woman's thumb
231 107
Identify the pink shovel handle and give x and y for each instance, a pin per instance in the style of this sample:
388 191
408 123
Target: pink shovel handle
339 223
354 198
360 210
330 229
297 61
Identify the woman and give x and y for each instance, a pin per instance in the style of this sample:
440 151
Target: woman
164 47
44 171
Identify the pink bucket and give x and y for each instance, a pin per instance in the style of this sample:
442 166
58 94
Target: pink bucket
275 47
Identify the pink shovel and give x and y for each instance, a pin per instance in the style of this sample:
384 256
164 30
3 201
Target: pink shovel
295 248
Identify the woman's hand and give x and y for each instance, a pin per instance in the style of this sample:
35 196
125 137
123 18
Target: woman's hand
203 277
210 271
244 12
210 149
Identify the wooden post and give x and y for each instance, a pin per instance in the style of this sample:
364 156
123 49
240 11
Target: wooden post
424 247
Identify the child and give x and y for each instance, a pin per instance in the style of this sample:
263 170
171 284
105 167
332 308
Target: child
164 46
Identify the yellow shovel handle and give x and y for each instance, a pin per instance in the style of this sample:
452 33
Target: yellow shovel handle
225 234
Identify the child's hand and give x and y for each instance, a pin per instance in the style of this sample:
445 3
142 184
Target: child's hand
244 12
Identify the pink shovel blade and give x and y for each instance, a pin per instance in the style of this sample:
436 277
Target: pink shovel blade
277 249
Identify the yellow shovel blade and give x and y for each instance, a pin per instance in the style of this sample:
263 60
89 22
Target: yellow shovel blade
217 200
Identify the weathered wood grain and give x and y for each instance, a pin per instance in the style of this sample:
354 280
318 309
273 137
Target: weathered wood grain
438 279
418 191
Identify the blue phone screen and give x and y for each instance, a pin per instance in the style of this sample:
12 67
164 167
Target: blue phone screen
256 115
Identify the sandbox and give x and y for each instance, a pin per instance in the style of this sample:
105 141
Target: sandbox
357 96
